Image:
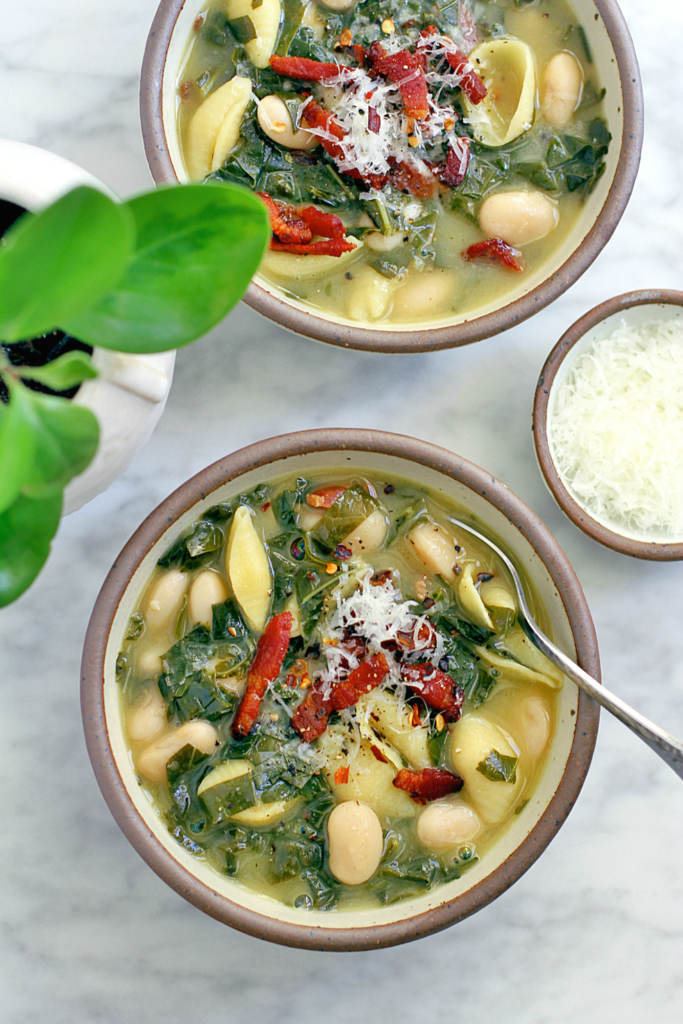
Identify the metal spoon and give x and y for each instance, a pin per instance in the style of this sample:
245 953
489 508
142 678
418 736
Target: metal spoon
668 748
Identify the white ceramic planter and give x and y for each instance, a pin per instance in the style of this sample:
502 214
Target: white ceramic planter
130 392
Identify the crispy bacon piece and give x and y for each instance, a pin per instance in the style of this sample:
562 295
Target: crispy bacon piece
329 225
406 70
310 718
495 250
470 82
406 178
428 783
436 688
361 680
270 653
304 68
285 222
325 247
324 497
457 162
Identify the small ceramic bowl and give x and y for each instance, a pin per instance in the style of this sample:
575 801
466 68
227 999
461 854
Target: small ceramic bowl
537 554
130 391
635 308
612 51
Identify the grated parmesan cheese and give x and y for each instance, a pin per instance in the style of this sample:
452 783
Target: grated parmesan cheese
615 429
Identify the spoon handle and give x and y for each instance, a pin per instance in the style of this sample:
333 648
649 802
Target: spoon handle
668 747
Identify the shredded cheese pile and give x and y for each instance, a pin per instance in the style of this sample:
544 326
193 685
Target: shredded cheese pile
378 614
351 94
616 429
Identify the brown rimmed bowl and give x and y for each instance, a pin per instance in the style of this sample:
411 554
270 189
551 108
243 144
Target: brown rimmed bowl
641 307
538 556
612 50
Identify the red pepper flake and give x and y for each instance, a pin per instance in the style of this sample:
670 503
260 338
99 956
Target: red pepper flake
290 680
428 783
331 568
232 631
342 553
374 120
186 91
341 776
378 754
495 250
345 38
264 508
265 668
304 68
440 722
415 718
324 497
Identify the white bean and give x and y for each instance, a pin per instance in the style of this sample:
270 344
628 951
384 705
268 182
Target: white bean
383 243
562 88
207 590
355 842
153 760
518 217
165 600
147 716
446 823
430 292
369 535
275 121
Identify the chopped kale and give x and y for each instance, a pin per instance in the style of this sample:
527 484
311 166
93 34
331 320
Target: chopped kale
499 767
194 549
285 503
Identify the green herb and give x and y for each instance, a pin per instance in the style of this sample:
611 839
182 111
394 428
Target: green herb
143 276
499 767
231 636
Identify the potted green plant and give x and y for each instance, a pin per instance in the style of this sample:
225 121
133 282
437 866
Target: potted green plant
148 275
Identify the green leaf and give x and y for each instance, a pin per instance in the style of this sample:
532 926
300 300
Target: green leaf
26 530
499 767
66 440
55 265
17 445
66 372
198 247
344 515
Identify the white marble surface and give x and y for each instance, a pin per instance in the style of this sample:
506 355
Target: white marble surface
594 931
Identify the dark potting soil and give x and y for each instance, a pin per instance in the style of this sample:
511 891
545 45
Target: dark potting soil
37 351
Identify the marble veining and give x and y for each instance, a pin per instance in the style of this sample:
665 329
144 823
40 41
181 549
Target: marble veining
594 931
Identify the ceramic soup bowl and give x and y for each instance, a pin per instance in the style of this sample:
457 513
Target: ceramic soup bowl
544 566
612 55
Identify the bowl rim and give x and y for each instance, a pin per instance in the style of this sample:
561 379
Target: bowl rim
649 550
261 454
309 324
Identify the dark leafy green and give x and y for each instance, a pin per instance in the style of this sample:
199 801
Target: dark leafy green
499 767
195 549
343 516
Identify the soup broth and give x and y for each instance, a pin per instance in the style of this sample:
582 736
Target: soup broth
450 147
327 695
